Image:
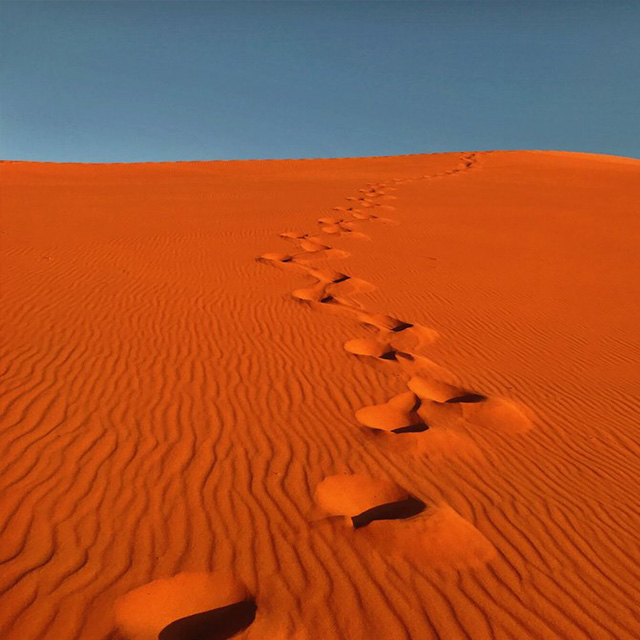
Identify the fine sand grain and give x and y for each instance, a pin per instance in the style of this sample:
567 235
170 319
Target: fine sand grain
355 399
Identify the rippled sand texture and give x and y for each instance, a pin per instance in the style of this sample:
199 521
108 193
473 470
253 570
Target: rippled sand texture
377 398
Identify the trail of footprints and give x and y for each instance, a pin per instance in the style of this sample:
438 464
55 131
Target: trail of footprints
428 419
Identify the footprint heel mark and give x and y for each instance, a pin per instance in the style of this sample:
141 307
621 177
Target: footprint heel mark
363 499
186 606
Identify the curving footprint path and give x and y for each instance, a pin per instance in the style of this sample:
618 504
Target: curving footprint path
429 418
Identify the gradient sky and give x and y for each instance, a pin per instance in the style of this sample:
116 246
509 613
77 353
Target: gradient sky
154 81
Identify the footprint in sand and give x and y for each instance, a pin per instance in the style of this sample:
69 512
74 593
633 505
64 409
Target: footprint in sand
396 523
371 348
441 401
384 322
186 606
330 220
276 257
293 235
333 288
312 245
331 229
398 415
362 499
403 336
327 275
360 215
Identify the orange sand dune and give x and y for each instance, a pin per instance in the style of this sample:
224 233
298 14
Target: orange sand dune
376 398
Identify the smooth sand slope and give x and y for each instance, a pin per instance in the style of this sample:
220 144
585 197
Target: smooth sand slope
377 398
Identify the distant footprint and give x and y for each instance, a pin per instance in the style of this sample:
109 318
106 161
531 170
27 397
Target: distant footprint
293 235
187 606
276 257
312 245
360 215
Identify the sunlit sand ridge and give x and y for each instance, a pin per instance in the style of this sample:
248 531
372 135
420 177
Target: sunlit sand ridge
376 398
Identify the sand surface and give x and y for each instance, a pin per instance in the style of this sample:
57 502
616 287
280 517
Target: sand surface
376 398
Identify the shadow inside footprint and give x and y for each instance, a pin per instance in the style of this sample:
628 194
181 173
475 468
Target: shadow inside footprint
399 510
217 624
401 327
419 427
467 397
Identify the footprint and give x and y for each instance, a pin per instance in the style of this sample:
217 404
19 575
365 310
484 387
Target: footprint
312 245
364 499
293 235
398 415
499 414
315 293
322 254
330 220
349 287
328 275
276 257
187 606
359 215
438 444
439 538
331 229
370 348
429 388
384 322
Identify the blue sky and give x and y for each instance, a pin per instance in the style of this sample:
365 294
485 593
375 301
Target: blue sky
154 81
